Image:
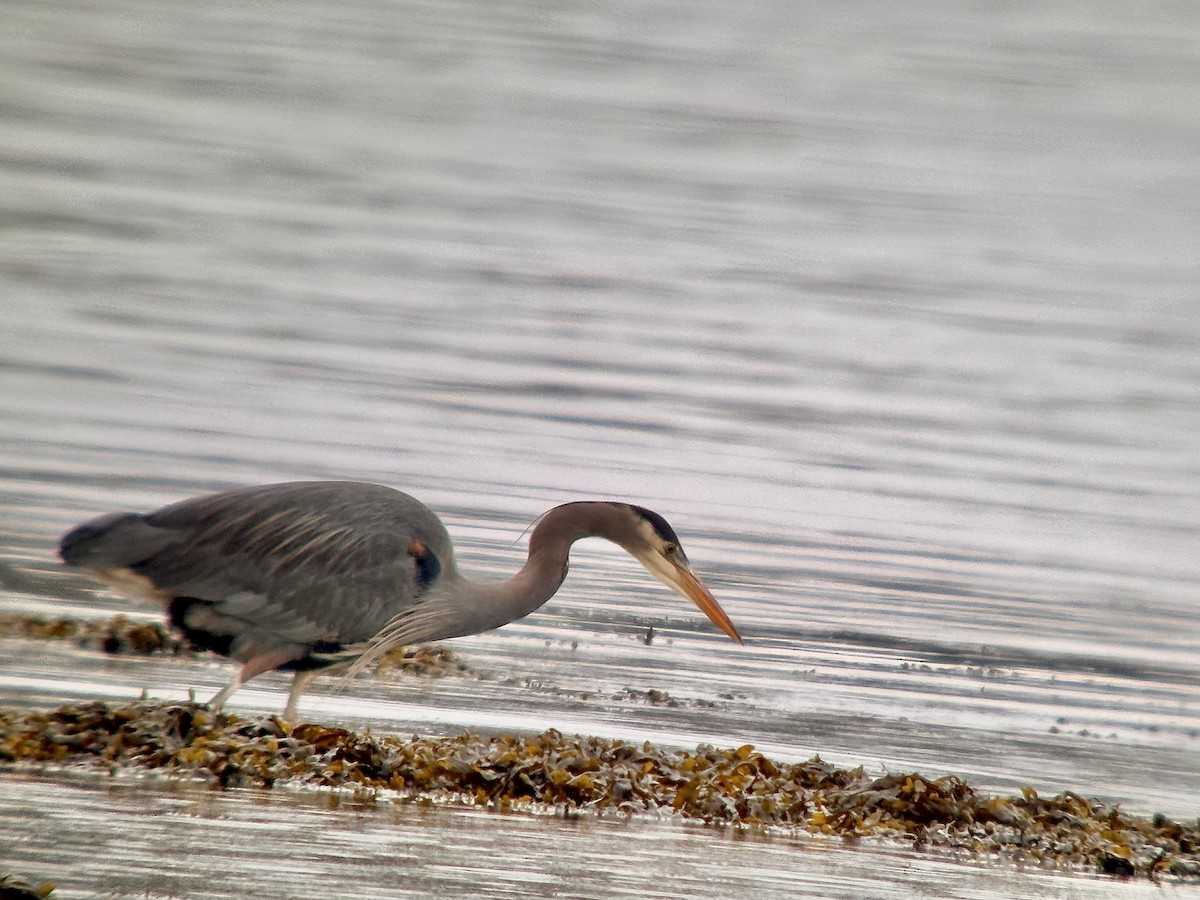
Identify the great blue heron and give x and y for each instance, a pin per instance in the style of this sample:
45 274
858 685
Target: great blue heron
307 575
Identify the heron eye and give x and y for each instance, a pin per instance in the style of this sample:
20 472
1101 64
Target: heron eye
669 549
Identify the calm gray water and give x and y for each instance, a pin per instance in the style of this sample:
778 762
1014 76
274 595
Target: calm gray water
892 312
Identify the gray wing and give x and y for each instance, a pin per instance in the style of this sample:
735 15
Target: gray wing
305 563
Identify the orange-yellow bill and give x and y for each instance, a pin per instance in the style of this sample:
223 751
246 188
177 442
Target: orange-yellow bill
689 585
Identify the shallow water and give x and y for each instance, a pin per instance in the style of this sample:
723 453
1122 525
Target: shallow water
893 316
201 843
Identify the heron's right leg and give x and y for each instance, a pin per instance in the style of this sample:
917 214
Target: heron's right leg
300 683
255 665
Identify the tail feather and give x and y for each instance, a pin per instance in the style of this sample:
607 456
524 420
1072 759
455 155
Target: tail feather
118 539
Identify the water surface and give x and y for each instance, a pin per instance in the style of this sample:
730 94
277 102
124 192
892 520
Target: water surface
891 314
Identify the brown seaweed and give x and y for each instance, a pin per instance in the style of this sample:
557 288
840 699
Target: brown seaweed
14 888
121 636
738 786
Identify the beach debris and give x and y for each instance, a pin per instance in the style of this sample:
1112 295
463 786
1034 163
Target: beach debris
118 635
14 888
122 636
550 771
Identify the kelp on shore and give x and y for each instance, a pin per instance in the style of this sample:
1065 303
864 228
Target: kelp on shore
737 786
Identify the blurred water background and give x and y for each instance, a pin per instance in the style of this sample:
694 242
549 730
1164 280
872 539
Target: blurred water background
890 310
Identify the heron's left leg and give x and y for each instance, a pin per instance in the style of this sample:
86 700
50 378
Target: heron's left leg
225 693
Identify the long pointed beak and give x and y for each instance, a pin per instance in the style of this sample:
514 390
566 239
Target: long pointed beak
691 587
682 581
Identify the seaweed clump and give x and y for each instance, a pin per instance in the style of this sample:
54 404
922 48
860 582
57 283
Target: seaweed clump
736 786
13 888
121 636
118 635
428 660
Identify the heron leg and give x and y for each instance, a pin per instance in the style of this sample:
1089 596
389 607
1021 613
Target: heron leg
300 683
255 665
225 693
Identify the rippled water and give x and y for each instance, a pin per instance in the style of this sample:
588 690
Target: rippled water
893 314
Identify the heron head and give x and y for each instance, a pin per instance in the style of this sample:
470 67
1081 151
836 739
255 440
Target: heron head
657 548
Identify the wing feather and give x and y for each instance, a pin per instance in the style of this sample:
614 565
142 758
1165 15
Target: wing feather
302 563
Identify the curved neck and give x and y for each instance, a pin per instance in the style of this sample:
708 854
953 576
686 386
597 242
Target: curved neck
458 607
562 526
487 605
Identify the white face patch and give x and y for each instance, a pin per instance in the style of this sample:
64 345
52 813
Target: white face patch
649 536
661 568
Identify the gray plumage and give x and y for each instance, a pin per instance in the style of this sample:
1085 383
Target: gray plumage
301 576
